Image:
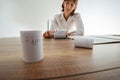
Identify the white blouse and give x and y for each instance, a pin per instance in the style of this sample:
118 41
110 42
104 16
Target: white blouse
73 24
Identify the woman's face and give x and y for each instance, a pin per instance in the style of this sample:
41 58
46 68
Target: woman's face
69 6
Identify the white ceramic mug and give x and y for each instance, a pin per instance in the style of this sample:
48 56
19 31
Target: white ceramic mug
32 45
84 42
60 34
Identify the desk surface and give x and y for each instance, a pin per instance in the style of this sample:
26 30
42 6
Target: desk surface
61 61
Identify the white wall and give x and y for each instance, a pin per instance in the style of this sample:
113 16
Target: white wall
17 15
99 16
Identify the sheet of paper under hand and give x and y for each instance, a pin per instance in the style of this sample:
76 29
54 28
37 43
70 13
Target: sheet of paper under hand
84 42
60 34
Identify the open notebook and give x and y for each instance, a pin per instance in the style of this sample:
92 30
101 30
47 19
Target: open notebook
100 39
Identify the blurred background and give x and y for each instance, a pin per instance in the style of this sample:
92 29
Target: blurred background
99 16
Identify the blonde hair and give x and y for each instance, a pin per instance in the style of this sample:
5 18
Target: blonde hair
75 1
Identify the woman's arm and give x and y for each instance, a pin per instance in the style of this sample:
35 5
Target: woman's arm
54 25
79 25
48 34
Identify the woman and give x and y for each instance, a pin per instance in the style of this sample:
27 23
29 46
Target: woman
68 20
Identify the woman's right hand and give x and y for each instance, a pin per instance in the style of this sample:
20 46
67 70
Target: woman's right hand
48 34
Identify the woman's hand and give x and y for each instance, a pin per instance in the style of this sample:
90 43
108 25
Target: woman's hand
71 33
48 34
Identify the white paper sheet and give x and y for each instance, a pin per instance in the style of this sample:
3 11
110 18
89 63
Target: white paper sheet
114 37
